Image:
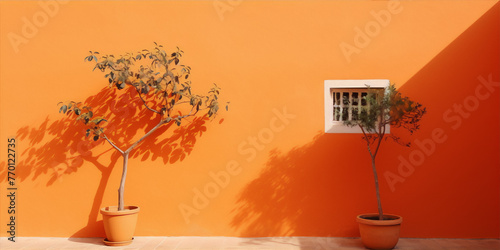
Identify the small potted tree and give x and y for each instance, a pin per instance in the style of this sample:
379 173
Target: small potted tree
389 107
163 87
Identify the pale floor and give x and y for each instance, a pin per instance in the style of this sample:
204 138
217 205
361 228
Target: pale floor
228 243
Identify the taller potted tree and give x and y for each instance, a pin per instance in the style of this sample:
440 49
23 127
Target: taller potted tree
389 107
163 87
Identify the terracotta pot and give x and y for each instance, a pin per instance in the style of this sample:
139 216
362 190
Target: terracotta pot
379 234
119 225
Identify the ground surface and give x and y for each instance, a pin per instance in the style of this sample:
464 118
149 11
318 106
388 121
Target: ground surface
228 243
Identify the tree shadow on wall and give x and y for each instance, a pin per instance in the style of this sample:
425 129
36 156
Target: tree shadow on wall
297 192
60 147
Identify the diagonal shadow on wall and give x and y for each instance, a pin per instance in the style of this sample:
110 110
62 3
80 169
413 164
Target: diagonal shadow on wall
59 146
318 188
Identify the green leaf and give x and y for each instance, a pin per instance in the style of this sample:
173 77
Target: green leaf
145 89
120 86
100 120
63 109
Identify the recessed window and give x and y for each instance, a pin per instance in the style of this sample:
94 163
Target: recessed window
345 101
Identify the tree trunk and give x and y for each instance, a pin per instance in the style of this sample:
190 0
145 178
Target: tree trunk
121 190
379 203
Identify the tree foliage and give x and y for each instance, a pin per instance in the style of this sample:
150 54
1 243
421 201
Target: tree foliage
161 81
163 87
386 108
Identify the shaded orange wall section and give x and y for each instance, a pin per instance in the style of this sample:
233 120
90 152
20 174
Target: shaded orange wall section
265 167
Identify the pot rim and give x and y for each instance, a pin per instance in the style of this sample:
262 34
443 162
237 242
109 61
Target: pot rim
396 220
113 210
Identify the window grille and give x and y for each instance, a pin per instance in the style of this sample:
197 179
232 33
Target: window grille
345 101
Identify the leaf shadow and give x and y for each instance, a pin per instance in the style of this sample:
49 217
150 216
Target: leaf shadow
58 146
288 197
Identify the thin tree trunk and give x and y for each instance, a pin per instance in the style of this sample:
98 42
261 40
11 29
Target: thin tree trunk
121 190
125 155
379 203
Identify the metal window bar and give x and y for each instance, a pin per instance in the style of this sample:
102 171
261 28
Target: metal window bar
348 104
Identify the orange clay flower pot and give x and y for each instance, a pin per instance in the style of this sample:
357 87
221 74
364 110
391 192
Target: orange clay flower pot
119 225
379 234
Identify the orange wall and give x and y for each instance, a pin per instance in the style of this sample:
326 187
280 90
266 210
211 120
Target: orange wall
269 57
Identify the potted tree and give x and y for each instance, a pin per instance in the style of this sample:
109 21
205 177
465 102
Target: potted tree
163 87
389 107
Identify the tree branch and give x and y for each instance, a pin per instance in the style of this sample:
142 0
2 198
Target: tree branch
150 132
145 136
112 144
381 133
144 102
367 140
380 137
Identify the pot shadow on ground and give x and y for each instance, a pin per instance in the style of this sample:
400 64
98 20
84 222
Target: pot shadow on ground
318 188
59 146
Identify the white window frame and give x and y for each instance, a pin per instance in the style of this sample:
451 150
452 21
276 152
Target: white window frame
332 126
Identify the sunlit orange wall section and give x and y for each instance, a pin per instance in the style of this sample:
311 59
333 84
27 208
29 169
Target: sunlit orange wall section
265 167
